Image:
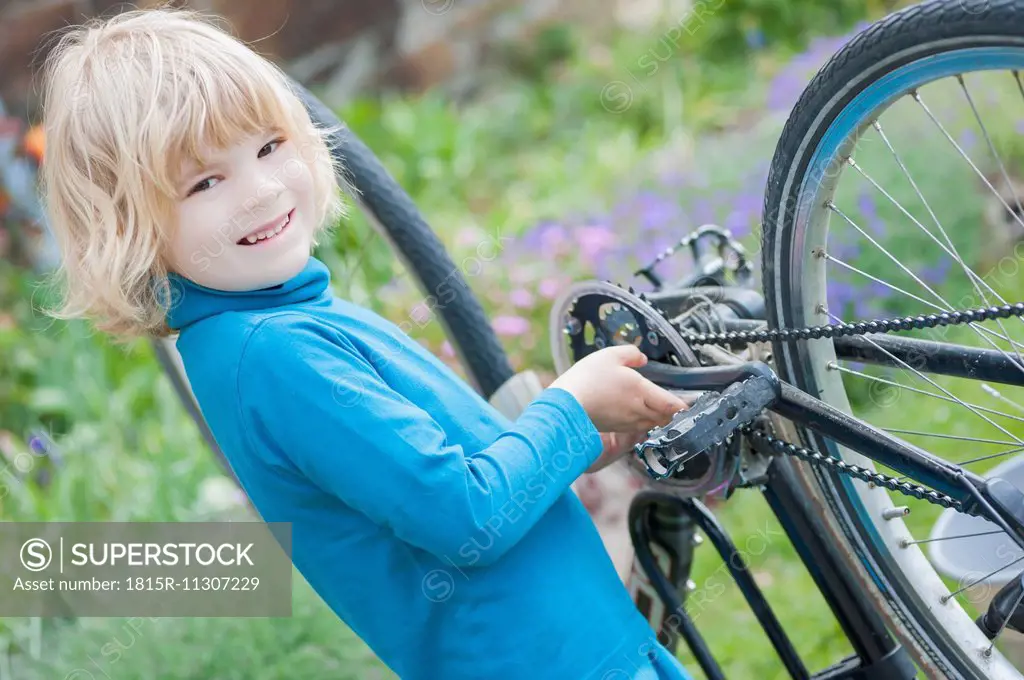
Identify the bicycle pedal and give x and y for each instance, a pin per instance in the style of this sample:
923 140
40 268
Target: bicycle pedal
712 418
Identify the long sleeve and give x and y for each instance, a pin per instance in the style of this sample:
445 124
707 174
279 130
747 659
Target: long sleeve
317 399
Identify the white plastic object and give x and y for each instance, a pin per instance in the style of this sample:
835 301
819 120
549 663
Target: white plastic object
512 398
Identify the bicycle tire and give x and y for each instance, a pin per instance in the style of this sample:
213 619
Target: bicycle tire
905 38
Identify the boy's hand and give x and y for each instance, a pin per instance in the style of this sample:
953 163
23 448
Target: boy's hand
616 445
615 396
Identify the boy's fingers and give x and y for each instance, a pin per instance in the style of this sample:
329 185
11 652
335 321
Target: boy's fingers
645 427
664 402
629 355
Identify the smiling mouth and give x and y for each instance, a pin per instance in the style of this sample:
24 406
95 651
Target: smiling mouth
267 234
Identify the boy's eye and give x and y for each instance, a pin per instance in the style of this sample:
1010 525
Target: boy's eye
202 186
270 146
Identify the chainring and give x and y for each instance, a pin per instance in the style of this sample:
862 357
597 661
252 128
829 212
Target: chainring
615 317
591 315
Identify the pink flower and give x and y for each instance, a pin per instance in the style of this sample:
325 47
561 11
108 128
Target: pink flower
594 240
521 298
551 287
446 349
511 325
467 236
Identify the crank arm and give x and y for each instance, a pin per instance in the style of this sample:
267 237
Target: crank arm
705 378
746 390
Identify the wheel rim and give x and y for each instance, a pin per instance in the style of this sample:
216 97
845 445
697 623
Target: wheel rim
808 276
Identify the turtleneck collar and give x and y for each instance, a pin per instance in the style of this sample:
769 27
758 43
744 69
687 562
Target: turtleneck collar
190 302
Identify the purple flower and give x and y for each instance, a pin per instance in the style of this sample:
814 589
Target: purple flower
657 211
787 86
936 274
755 38
703 211
738 222
533 238
784 90
968 139
511 325
869 209
751 201
879 290
840 294
844 250
553 239
866 204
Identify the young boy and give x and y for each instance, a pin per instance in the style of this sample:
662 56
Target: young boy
188 187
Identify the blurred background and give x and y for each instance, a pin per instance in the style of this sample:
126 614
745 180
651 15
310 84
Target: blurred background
587 135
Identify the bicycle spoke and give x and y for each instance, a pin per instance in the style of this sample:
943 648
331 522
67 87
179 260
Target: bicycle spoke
993 392
988 140
946 598
866 376
909 221
936 385
992 456
1006 177
938 435
952 250
832 206
980 330
847 265
1002 626
907 542
917 97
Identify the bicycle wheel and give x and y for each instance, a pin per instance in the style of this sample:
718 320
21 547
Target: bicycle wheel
916 242
392 212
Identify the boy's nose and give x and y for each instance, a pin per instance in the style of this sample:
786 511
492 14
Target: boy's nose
268 186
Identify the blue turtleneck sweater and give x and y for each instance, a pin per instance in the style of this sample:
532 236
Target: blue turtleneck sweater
443 534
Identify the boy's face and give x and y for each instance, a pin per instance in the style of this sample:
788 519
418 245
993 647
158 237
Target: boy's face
246 221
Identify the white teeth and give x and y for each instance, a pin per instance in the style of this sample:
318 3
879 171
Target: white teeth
263 235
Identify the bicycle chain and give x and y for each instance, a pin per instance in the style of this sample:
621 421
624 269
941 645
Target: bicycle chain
856 328
770 444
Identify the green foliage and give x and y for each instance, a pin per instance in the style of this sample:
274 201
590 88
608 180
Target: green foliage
730 29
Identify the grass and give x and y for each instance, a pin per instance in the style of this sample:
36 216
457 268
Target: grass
541 161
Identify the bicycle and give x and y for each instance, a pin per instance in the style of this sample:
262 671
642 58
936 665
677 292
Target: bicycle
775 414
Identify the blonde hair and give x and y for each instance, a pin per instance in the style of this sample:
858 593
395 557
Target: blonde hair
126 101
